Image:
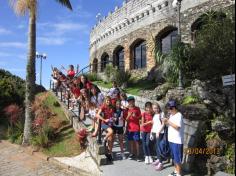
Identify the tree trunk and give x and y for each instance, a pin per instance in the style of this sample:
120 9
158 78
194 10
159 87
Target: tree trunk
30 78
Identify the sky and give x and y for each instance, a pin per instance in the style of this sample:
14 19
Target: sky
62 35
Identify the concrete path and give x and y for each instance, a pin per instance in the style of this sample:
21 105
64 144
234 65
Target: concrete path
131 167
15 162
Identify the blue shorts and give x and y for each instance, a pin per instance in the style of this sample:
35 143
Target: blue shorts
133 136
105 127
176 152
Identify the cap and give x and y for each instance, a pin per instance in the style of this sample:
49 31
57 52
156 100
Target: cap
130 98
171 103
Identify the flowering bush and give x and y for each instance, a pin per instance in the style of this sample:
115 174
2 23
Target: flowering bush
81 137
14 114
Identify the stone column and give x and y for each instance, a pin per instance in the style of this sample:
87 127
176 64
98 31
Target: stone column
150 45
127 55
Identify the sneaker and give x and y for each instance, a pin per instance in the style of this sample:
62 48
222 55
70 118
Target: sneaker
159 167
109 157
150 160
173 174
146 161
155 163
131 156
123 156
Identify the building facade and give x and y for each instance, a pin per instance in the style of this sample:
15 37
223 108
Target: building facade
130 36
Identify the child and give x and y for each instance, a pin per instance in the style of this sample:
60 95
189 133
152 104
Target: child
175 135
114 93
108 114
157 133
133 127
146 126
124 102
118 124
70 72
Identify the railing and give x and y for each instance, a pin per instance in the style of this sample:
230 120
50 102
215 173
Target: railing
90 68
63 95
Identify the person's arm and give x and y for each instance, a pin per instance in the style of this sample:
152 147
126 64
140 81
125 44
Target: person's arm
147 123
100 117
168 122
128 116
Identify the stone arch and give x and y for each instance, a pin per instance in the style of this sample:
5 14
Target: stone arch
201 20
138 53
104 61
118 57
95 65
166 38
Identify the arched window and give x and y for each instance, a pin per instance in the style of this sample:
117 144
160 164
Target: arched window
139 55
104 61
167 39
118 58
203 20
95 66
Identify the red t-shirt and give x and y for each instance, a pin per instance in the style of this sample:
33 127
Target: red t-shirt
147 117
76 91
133 122
108 111
71 73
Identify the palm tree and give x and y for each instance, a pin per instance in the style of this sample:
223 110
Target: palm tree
21 7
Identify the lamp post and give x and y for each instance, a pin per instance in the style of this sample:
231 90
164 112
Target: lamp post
41 57
177 4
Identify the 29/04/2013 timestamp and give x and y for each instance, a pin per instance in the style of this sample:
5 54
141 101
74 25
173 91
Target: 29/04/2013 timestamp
202 151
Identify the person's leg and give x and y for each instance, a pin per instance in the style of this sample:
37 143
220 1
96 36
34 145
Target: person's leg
147 144
109 137
121 141
144 143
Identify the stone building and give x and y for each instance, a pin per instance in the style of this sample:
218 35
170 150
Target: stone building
130 35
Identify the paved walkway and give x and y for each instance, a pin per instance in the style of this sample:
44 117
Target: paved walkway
15 162
131 167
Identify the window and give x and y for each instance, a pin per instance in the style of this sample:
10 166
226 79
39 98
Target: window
166 41
104 62
140 55
119 58
95 66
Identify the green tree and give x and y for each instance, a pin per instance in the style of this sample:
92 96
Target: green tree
20 8
214 53
176 60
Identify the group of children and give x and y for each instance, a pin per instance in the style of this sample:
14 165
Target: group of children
119 116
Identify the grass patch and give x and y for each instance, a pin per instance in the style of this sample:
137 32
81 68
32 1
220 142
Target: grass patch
64 145
50 102
103 84
133 87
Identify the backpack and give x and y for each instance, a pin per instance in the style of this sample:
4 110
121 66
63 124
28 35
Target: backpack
163 147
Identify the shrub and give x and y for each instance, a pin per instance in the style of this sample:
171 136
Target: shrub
190 100
14 114
15 133
122 77
93 77
109 71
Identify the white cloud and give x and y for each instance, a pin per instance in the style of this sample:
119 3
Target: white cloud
19 45
3 63
64 27
52 40
4 31
21 26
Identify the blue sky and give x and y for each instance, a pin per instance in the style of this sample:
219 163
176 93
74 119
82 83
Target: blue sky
61 34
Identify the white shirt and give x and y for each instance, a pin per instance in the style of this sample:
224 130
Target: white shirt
121 121
157 124
92 112
124 104
176 136
98 100
113 92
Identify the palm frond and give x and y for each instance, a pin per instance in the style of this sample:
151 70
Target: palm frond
20 6
65 3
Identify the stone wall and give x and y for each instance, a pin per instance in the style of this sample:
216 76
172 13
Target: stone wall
146 20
